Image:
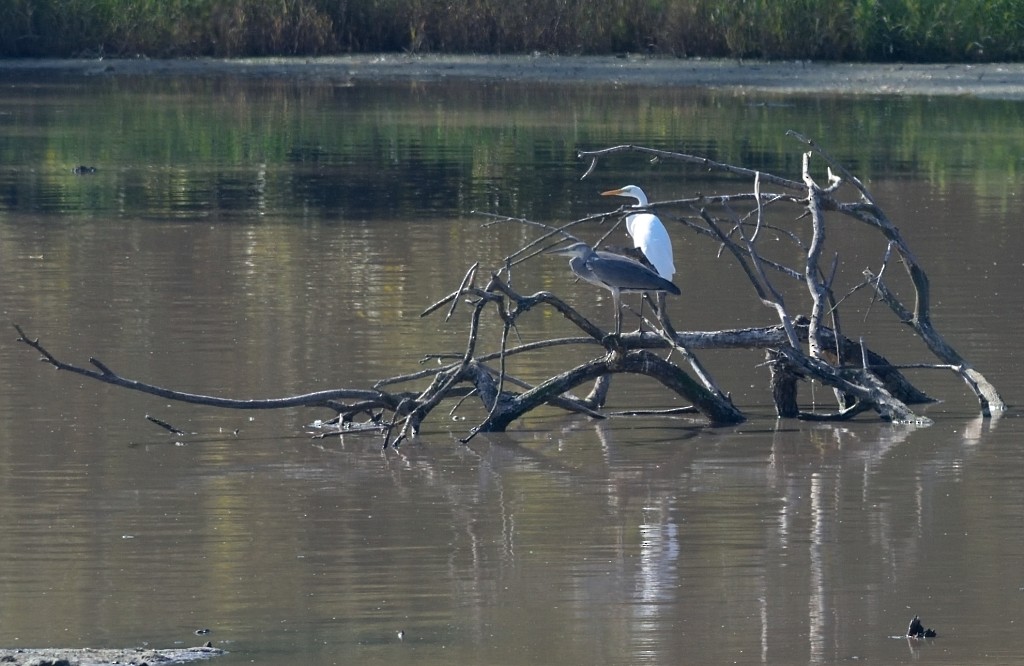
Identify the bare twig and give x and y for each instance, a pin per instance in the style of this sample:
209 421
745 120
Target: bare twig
708 164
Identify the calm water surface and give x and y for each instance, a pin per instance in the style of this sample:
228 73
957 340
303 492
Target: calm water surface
262 237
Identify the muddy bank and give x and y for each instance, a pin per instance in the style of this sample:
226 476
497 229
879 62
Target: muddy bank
999 81
91 657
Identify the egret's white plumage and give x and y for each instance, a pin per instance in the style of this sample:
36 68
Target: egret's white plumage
648 233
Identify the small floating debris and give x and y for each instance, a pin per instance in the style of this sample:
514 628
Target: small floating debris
917 630
319 429
165 425
82 170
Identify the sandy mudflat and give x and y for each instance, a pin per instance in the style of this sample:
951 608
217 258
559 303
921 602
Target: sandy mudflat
90 657
1002 81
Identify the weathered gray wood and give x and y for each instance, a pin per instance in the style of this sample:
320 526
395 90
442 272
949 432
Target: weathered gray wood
801 346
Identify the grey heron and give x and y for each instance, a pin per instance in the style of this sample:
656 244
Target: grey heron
613 272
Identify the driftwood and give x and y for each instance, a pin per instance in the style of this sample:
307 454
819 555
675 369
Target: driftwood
804 345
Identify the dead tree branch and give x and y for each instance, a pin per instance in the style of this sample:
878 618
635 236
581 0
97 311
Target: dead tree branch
807 344
709 164
329 399
869 212
818 201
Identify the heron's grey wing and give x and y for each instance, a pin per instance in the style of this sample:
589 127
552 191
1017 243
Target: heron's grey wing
625 274
583 271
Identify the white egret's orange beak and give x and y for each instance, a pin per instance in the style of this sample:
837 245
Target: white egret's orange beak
612 193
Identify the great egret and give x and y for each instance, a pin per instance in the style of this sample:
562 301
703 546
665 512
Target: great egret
615 273
648 232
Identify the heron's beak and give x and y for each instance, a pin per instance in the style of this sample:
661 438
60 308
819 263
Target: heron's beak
612 193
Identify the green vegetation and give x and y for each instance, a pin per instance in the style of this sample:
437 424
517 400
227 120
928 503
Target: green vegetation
872 30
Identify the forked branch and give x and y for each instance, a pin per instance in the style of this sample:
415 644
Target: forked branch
806 344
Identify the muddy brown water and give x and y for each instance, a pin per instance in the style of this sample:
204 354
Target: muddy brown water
256 237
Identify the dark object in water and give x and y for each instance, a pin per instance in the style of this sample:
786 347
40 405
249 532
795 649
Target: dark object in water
81 170
917 630
166 426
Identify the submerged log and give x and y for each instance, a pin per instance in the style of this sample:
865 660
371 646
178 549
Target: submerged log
807 344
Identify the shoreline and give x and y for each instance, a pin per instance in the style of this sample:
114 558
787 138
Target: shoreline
105 656
986 81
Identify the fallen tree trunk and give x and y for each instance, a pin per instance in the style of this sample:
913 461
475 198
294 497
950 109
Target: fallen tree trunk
806 345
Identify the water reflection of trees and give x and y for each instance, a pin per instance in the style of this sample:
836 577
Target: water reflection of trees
225 148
